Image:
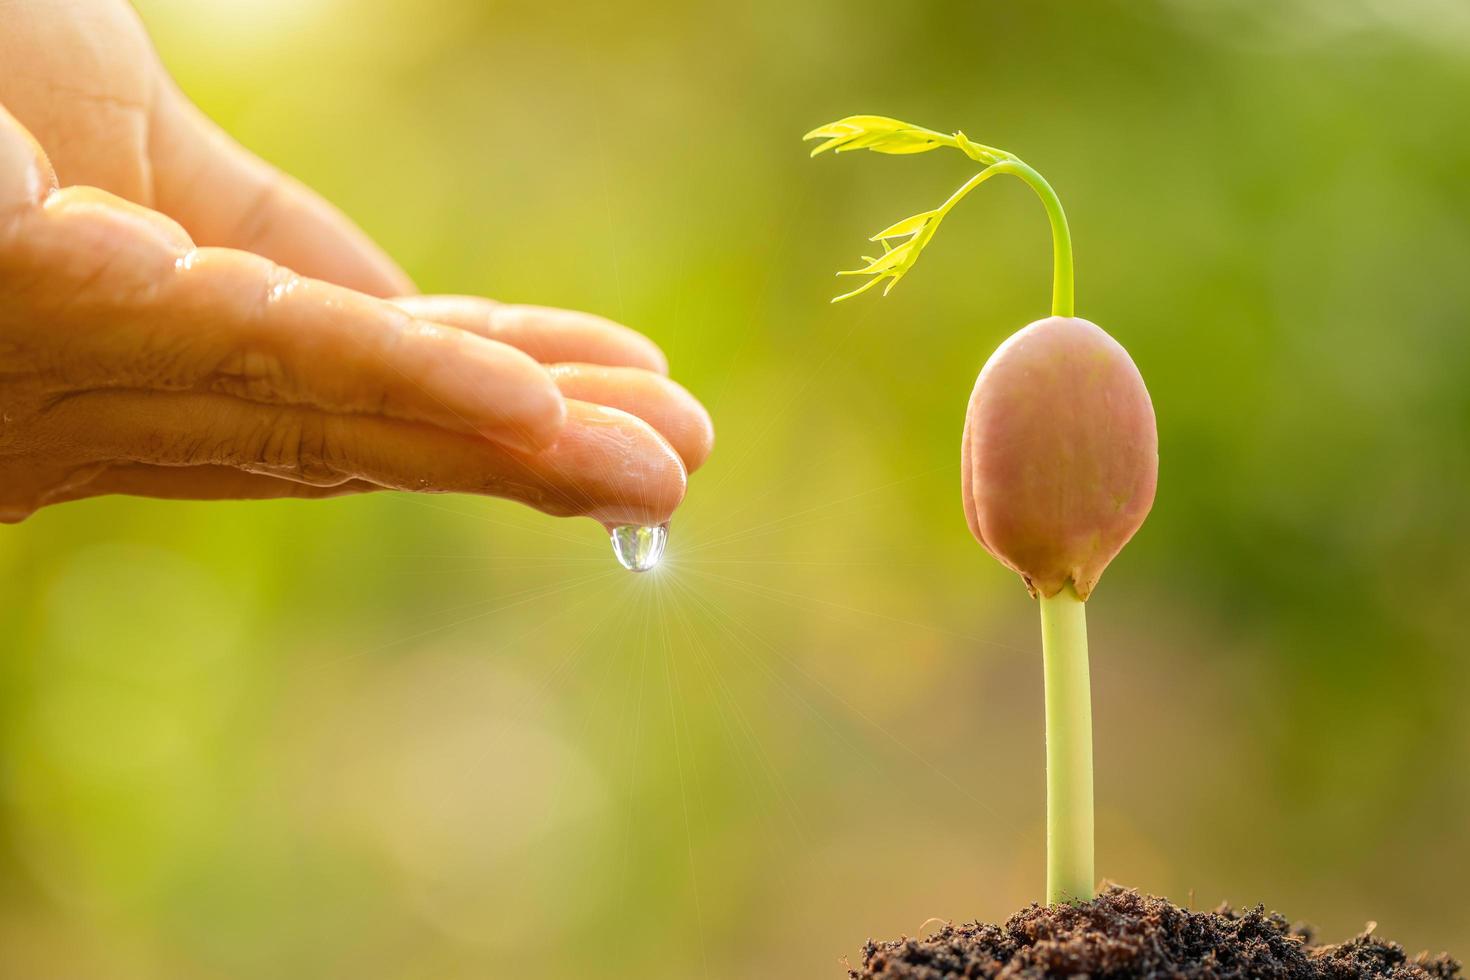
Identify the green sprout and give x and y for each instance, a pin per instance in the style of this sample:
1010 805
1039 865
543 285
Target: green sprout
884 135
1059 463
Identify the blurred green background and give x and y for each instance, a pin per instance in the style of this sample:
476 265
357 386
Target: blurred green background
445 738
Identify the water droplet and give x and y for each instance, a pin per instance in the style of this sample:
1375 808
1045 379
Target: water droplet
639 547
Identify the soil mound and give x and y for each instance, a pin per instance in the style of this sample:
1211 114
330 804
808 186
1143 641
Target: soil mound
1123 935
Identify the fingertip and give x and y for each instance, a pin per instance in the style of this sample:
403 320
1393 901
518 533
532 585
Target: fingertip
514 399
699 439
537 423
378 276
26 175
577 336
112 220
630 473
91 247
664 404
655 358
550 335
653 355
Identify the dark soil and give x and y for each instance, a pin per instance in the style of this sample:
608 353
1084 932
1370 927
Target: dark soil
1123 935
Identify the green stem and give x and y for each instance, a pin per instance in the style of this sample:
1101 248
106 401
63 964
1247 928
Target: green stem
1000 162
1068 748
1062 303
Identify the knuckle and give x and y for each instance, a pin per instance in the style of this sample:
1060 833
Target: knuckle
301 447
252 373
187 447
256 369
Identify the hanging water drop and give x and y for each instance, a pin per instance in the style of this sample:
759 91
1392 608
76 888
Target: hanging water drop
639 547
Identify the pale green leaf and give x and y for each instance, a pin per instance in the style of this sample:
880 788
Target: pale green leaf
852 125
888 260
880 134
860 290
896 146
884 134
908 226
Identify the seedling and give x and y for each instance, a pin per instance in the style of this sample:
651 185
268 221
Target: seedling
1059 461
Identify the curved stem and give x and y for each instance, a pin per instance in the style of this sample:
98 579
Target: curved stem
1062 292
1068 748
885 135
967 187
1062 303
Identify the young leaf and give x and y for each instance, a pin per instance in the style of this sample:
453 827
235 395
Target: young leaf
858 291
908 226
881 134
979 151
896 260
902 255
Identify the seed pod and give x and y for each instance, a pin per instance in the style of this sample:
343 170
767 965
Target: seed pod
1060 454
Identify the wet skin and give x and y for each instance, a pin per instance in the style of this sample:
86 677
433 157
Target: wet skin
179 319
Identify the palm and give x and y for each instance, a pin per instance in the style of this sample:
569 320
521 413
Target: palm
84 79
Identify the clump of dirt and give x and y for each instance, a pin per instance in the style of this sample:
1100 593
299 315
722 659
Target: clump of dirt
1122 935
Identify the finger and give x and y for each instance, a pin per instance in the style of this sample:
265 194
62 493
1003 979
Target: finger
606 464
205 482
666 405
549 335
224 195
122 292
26 176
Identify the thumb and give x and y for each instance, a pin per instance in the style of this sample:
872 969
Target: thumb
225 195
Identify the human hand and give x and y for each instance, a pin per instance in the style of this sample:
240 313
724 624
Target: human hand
181 320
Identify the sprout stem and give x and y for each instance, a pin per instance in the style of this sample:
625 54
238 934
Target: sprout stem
1062 303
1068 749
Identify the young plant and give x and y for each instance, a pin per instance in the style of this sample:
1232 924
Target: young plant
1059 461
